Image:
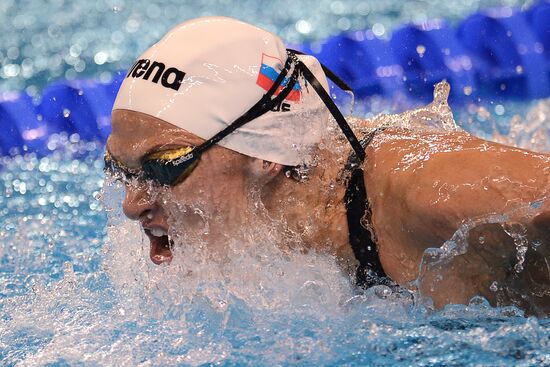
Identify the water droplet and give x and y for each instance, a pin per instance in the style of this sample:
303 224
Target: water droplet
519 69
378 29
500 110
382 291
479 301
66 112
303 26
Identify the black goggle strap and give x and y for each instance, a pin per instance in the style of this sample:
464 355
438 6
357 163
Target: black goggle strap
329 73
265 104
325 97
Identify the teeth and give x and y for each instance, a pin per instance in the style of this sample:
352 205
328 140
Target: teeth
157 232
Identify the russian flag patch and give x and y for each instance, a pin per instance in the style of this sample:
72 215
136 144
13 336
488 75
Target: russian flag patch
268 75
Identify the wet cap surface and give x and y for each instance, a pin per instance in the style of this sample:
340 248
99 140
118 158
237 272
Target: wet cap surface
205 73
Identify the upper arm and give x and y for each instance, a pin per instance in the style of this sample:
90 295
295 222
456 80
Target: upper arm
423 186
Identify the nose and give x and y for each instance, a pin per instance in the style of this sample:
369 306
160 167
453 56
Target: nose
137 202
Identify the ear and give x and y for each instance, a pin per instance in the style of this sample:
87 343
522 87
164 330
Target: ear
264 171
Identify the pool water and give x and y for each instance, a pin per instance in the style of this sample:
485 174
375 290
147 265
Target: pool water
82 39
77 287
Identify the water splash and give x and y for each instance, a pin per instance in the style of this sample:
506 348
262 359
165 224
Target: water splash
531 132
505 271
437 115
78 287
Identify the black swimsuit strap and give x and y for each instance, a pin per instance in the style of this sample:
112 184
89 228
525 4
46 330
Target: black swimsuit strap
361 240
358 211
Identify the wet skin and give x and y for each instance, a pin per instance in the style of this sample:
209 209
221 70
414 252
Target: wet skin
422 187
135 135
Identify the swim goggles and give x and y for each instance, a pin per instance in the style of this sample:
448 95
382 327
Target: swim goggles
164 167
172 166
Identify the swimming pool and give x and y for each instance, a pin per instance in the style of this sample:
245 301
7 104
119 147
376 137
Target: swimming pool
77 289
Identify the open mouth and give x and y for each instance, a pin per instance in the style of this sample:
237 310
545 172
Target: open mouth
161 245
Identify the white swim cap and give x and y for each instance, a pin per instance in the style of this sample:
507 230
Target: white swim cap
205 73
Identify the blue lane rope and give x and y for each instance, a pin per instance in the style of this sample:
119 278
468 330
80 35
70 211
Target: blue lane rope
492 55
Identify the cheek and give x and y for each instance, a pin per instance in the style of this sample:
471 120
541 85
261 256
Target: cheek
211 187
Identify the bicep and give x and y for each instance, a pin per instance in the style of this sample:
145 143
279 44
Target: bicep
423 188
457 176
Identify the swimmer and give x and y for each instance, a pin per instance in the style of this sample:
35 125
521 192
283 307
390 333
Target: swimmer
219 113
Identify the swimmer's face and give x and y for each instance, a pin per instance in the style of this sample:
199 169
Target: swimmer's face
210 203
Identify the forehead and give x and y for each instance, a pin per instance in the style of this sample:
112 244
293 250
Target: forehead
135 134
